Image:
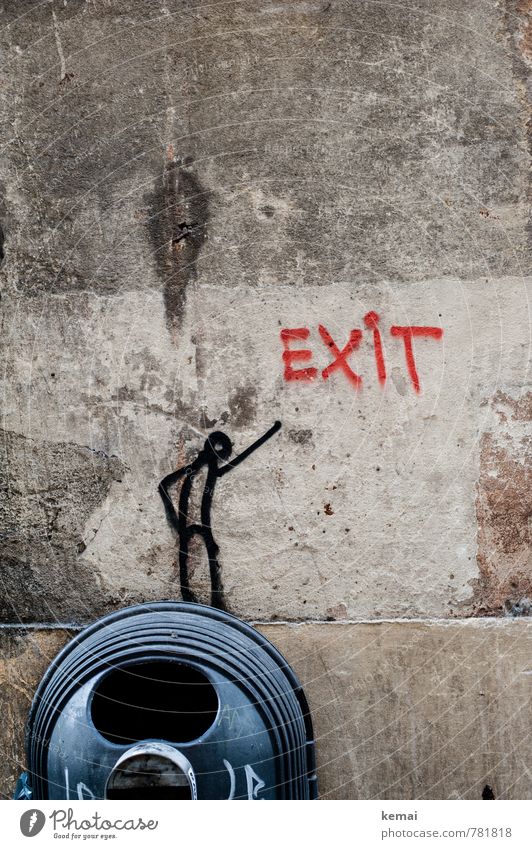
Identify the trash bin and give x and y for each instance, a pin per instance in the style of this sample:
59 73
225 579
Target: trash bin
169 700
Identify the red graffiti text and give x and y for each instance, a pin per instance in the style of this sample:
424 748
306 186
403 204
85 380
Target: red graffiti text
342 362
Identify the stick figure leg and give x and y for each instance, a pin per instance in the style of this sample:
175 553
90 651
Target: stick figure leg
186 592
217 592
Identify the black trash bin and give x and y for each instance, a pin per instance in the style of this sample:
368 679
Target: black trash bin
169 700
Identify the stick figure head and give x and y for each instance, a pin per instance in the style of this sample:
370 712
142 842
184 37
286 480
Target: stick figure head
219 445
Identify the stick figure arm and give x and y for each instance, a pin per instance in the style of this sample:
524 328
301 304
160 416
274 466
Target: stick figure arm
253 447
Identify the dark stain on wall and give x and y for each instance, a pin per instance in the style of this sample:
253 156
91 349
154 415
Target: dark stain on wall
302 436
243 405
177 223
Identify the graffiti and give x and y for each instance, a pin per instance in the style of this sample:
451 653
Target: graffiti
231 717
301 354
292 355
371 320
232 779
82 791
217 448
341 356
254 784
407 334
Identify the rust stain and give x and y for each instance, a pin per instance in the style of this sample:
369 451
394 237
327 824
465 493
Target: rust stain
512 409
524 11
338 611
503 507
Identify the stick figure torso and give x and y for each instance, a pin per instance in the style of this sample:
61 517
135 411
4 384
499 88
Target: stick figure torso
217 448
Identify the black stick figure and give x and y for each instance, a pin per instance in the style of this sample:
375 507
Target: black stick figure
217 447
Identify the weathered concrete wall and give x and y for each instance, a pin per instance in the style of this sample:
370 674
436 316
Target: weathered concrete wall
179 184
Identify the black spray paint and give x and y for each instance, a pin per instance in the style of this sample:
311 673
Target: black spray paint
217 448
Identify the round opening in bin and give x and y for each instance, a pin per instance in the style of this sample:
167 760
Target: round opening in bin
156 699
152 771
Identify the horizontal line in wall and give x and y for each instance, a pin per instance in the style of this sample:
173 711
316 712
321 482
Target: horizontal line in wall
42 626
291 623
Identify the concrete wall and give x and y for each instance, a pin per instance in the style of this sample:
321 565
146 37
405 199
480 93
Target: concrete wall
179 184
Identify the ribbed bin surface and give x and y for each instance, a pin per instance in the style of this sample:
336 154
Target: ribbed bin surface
193 703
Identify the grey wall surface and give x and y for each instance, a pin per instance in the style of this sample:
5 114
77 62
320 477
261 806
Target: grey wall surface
179 183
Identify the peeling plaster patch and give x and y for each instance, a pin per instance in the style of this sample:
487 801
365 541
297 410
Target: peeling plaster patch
399 381
49 492
503 509
523 9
